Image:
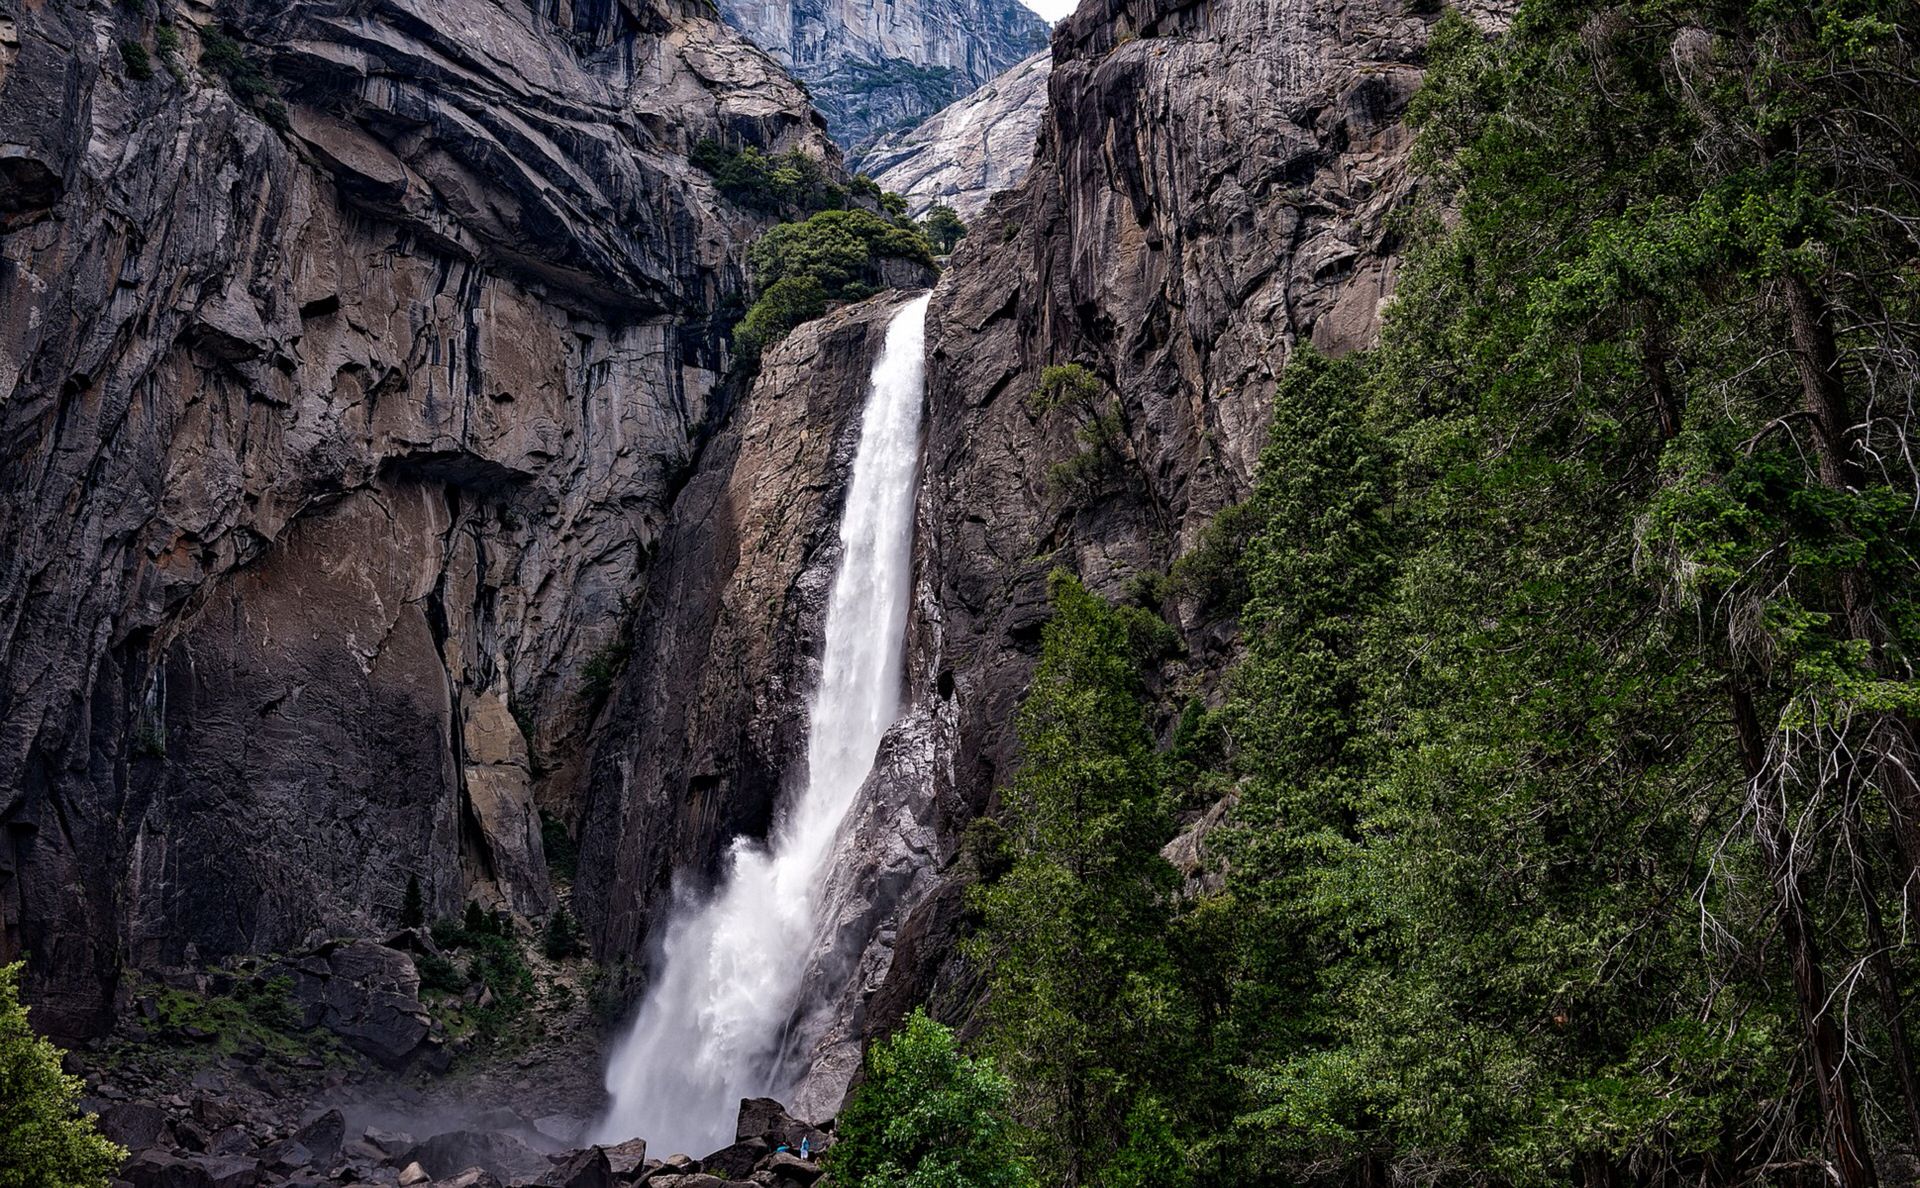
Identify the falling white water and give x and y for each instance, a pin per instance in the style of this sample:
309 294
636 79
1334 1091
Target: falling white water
709 1029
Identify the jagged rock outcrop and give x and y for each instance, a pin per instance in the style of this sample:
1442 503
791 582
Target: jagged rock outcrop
1212 189
874 67
708 727
332 454
967 152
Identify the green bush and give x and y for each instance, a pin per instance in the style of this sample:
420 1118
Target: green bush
563 853
437 973
45 1142
927 1117
785 304
413 905
222 56
133 56
603 668
840 249
562 938
801 268
751 177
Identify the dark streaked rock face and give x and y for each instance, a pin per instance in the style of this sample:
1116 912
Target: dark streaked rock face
876 67
332 455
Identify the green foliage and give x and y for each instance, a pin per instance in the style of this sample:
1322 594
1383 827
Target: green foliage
45 1142
223 57
603 668
247 1017
1568 750
562 937
943 228
793 182
475 924
413 904
926 1117
841 250
1083 1003
556 842
439 974
1099 435
494 964
1066 385
150 742
800 268
133 56
166 40
785 304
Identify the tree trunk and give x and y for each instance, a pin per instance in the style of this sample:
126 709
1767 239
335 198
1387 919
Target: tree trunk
1891 737
1852 1163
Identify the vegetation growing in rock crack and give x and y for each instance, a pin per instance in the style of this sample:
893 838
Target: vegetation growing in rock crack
225 58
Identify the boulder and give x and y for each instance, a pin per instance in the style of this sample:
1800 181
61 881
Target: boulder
324 1136
368 995
286 1157
473 1177
765 1118
738 1161
791 1169
627 1158
589 1168
454 1152
390 1142
413 1174
157 1169
561 1128
132 1125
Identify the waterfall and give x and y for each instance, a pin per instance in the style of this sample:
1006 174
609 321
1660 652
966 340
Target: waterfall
708 1031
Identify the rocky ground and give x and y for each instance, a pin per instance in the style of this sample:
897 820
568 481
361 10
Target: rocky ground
361 1062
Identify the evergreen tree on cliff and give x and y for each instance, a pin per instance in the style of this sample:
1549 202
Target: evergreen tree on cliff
1574 832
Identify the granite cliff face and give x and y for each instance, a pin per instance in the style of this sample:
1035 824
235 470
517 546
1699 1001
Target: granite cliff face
967 152
333 453
874 68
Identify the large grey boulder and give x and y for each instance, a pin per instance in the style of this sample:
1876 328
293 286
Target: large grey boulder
368 995
445 1155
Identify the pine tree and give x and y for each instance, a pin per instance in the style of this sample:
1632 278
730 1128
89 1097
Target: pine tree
413 905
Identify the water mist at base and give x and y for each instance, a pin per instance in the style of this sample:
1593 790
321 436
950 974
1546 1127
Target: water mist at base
709 1029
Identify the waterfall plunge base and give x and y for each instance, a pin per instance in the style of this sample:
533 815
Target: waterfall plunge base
709 1030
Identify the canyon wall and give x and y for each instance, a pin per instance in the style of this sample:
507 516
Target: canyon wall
351 355
966 152
873 68
1211 191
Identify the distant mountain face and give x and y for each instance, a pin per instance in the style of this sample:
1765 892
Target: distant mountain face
880 66
969 151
